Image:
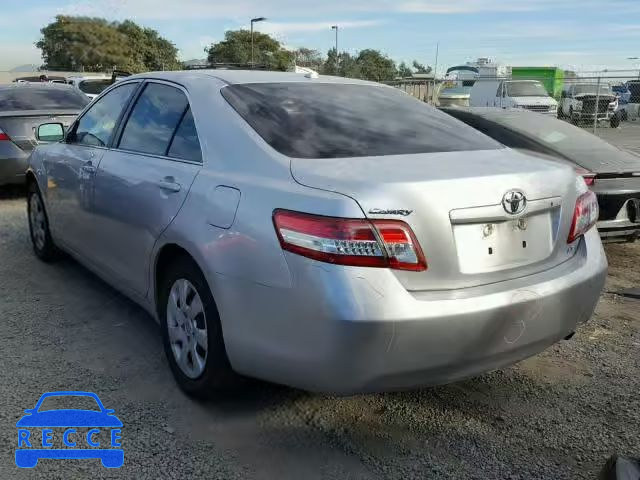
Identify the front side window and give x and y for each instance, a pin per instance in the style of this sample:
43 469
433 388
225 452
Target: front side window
97 125
324 120
154 119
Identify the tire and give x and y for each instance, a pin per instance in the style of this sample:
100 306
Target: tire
199 372
43 245
575 120
614 122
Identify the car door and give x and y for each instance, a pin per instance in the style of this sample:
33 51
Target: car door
71 166
143 181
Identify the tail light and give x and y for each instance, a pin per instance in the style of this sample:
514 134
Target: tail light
344 241
585 215
3 136
589 177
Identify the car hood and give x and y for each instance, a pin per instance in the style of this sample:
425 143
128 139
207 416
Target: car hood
69 418
534 101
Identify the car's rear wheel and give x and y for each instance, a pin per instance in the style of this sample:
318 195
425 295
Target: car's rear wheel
41 240
192 332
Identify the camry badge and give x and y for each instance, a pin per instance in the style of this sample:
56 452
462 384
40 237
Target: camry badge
380 211
514 202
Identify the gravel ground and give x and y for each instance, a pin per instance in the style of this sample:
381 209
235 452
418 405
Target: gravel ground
556 416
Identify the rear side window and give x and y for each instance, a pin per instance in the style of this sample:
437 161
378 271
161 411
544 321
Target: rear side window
154 119
307 120
39 98
185 144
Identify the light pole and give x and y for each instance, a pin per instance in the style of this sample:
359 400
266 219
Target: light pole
635 58
336 28
254 20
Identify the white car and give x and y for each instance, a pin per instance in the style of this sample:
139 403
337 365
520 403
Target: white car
91 86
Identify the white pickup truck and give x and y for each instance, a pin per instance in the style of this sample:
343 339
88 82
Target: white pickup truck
578 102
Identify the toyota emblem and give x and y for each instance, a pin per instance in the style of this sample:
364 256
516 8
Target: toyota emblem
514 202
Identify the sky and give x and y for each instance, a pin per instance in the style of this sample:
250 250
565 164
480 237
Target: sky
582 35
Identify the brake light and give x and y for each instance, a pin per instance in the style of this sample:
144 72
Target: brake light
3 136
585 215
589 177
355 242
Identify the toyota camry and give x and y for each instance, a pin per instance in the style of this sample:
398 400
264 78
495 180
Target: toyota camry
326 233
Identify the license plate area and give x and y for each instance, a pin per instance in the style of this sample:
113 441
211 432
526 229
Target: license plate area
490 247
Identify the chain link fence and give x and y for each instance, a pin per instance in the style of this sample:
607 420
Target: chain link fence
605 103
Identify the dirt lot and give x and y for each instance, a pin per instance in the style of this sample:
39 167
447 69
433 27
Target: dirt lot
556 416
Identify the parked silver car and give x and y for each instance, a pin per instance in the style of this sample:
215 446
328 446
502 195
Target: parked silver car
24 106
326 233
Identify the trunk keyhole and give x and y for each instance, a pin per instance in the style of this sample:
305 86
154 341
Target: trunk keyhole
524 244
490 251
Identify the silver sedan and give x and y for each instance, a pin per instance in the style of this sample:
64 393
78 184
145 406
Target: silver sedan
325 233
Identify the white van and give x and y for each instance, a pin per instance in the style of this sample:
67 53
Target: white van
528 94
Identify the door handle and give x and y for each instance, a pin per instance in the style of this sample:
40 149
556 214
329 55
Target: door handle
169 186
88 167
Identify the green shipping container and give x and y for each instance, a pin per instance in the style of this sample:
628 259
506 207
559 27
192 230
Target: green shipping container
551 77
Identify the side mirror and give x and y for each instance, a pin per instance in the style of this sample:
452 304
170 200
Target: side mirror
50 132
29 410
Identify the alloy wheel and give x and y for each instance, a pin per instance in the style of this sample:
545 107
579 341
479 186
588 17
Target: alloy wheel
187 328
38 221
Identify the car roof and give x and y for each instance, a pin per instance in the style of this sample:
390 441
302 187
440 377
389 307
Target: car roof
233 77
8 86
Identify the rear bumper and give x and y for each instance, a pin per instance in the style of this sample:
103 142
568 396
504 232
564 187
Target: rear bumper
348 330
12 170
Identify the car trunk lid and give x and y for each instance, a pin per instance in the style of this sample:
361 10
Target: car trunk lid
456 211
21 125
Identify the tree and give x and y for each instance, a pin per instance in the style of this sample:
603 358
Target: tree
149 48
420 68
375 66
71 43
307 57
404 70
346 65
236 48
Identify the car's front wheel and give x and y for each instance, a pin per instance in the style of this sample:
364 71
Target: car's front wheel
191 331
41 240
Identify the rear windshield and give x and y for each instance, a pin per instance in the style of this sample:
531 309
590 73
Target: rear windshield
94 87
35 98
339 120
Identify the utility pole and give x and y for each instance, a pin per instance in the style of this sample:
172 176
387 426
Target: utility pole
435 75
336 28
635 58
254 20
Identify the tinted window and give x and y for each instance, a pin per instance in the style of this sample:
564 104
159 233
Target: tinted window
39 98
94 87
185 142
153 120
97 124
338 120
